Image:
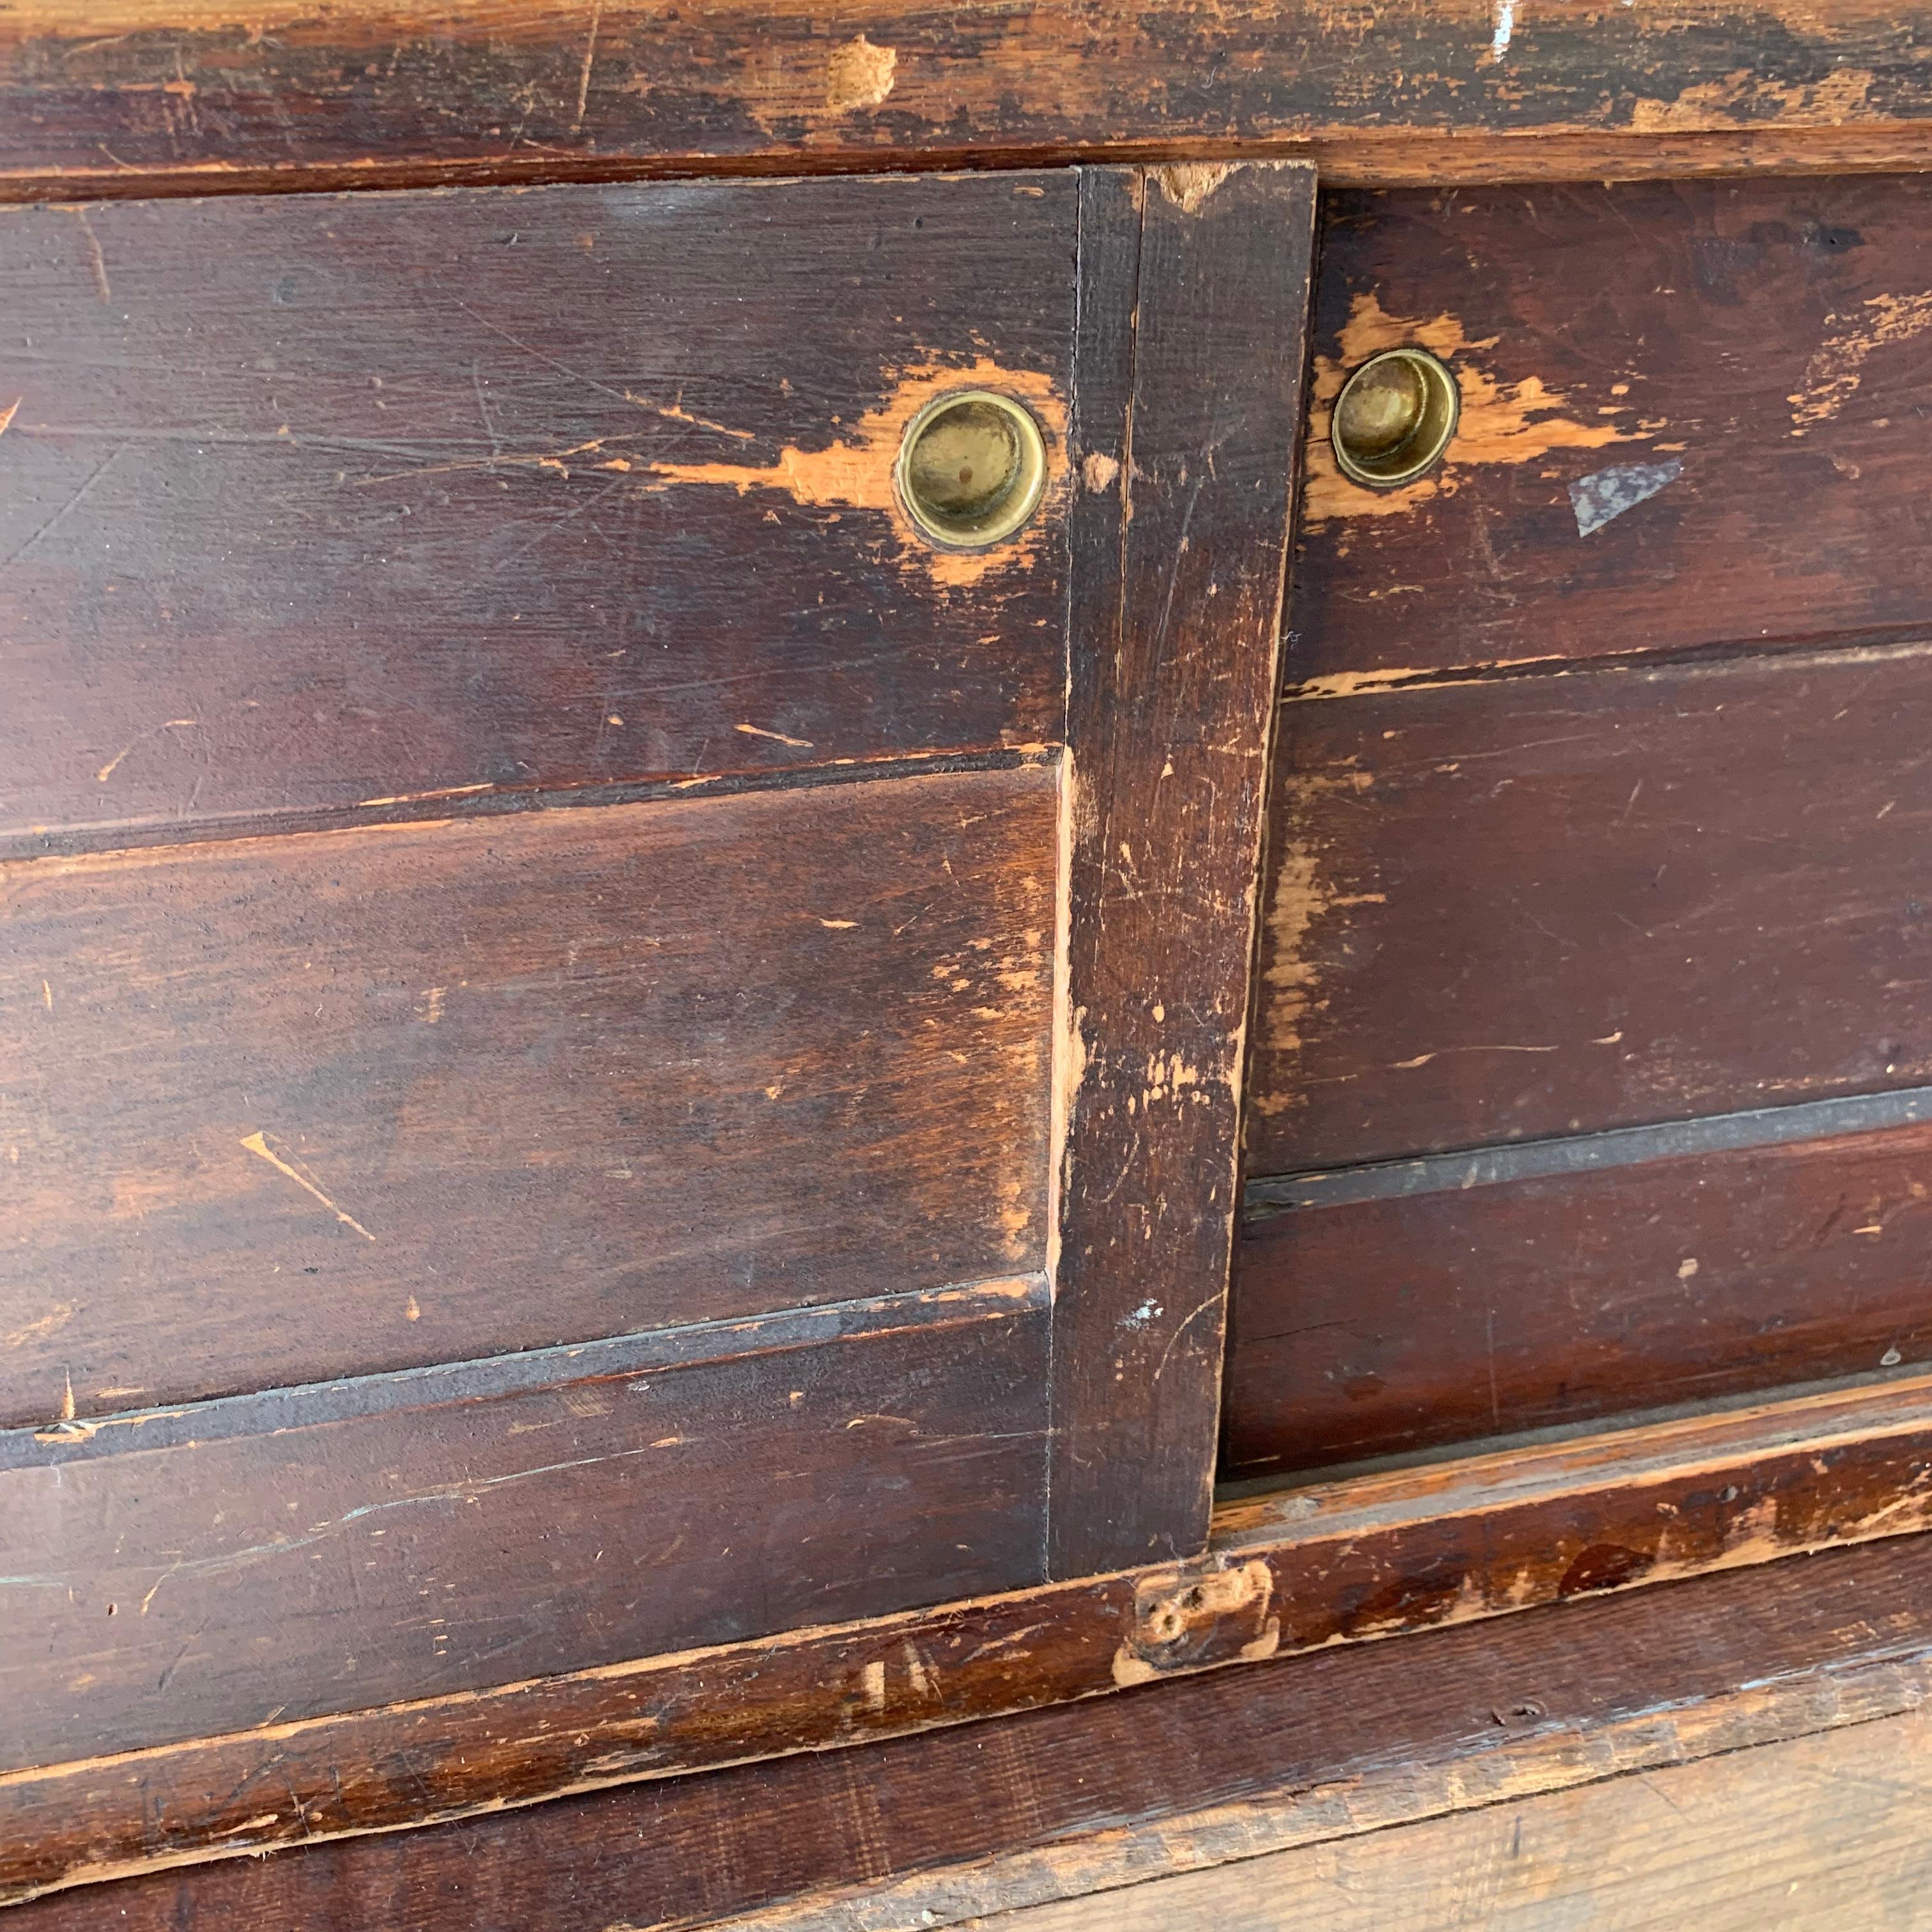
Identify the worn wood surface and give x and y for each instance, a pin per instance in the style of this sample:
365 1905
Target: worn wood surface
1549 905
334 501
180 1574
1596 807
280 1110
1395 1308
1195 293
1820 1834
1741 366
1062 1803
1301 1570
138 94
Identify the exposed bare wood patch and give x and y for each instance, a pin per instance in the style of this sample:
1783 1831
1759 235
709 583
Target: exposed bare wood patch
858 75
857 472
1833 375
1503 421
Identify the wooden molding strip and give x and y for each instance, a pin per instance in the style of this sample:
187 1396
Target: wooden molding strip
1295 1571
1505 1162
169 96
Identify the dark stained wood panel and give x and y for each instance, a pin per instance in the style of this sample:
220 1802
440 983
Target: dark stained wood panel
1401 1320
127 93
1549 905
1743 367
310 501
273 1558
1194 296
277 1110
1056 1802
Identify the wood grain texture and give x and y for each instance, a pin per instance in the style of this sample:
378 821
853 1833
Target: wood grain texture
929 1830
1194 292
280 1110
177 1575
1819 1834
1540 906
1297 1571
1747 362
1380 1326
138 92
309 502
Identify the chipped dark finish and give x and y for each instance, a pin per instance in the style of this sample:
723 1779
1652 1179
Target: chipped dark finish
348 1547
1182 425
1382 1326
1297 1570
1056 1803
162 95
1746 363
305 503
1545 906
456 1089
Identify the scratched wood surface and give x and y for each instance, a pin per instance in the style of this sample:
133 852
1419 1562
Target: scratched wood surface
1544 906
1376 1556
129 94
1742 366
1194 297
1380 1321
280 1110
306 502
267 1558
1064 1802
1683 880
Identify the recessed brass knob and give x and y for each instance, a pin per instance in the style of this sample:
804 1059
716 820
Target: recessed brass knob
971 468
1393 418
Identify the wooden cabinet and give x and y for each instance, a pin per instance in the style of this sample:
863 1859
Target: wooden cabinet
674 904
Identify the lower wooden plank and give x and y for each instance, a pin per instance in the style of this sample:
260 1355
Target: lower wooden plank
279 1110
932 1829
1822 1834
1293 1571
1552 905
1384 1310
263 1561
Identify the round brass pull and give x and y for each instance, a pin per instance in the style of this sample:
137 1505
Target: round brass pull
1393 418
971 468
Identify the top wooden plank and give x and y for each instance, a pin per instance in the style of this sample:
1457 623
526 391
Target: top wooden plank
138 95
327 502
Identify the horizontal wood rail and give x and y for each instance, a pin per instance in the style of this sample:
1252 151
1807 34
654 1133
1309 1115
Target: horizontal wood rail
1290 1571
173 96
945 1825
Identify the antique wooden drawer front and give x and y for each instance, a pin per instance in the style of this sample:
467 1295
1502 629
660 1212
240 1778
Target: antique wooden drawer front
566 1020
1600 807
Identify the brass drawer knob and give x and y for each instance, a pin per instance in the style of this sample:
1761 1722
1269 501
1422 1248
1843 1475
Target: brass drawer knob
972 466
1393 418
